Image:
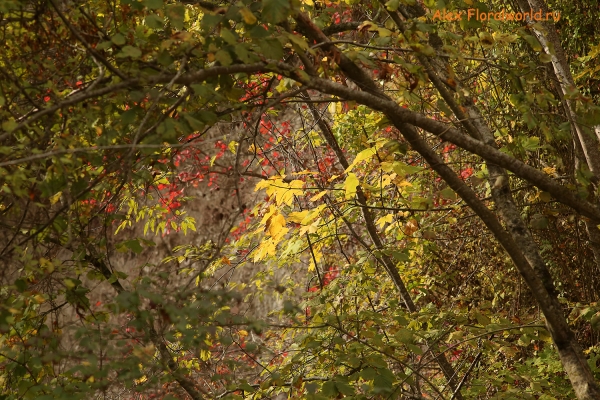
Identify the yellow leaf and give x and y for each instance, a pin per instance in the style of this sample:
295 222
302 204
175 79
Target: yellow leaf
275 225
285 193
69 283
247 15
204 355
402 183
362 156
54 199
550 170
47 265
350 185
272 210
266 248
383 220
318 196
384 32
298 216
312 228
39 298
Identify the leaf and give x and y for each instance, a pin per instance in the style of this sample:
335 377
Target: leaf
404 335
298 216
329 390
153 4
128 117
382 384
129 51
118 39
297 40
350 185
482 319
193 122
176 15
164 58
133 245
403 169
455 336
228 36
275 226
344 388
448 193
392 5
533 42
538 221
387 219
247 15
400 256
275 11
318 196
531 143
223 57
9 125
271 48
441 104
362 156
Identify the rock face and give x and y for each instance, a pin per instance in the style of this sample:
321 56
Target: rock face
217 205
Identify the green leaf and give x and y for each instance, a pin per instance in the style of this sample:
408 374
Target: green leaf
133 245
531 143
441 104
400 256
404 335
118 39
533 42
382 384
368 374
448 193
128 117
129 51
298 41
154 21
247 15
9 125
329 390
482 319
392 5
344 388
176 15
193 122
165 59
153 4
271 49
275 11
538 221
167 130
223 57
229 36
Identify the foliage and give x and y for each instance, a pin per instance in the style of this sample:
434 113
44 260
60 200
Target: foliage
414 265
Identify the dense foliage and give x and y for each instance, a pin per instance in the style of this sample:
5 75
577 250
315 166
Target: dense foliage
414 192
